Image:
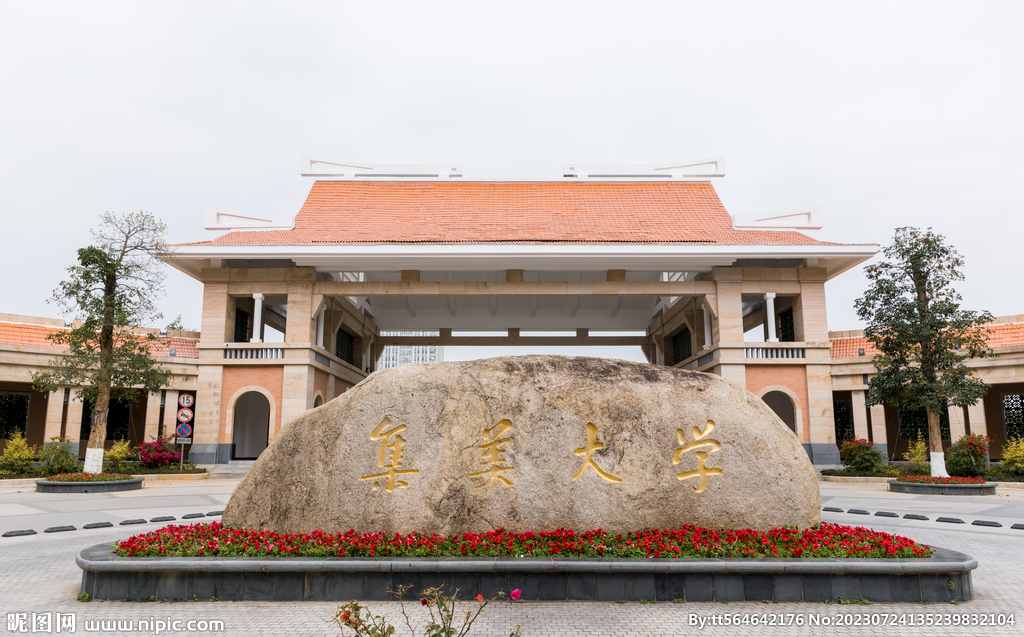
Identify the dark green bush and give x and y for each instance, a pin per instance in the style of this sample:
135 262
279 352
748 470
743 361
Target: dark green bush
861 455
57 457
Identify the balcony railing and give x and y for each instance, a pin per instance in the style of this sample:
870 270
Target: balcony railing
774 352
255 353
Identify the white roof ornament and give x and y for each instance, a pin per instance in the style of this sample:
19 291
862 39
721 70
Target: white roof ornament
699 170
805 219
226 220
324 170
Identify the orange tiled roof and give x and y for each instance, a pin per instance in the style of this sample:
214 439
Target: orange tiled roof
1003 335
519 212
35 335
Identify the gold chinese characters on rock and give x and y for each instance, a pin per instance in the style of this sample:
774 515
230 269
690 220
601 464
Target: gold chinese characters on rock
392 447
493 466
491 456
700 439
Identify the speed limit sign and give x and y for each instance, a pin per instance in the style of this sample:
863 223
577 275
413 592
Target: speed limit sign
186 400
184 414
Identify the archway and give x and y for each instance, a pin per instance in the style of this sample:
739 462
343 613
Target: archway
782 405
319 400
251 429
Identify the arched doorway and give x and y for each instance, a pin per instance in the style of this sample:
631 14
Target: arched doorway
251 426
782 405
318 401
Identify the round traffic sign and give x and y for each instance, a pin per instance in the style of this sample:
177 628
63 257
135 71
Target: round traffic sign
184 430
184 414
186 400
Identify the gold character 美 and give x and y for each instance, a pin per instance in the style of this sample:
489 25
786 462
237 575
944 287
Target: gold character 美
592 446
390 456
699 440
491 455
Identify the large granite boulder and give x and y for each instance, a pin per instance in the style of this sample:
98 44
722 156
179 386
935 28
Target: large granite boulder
531 443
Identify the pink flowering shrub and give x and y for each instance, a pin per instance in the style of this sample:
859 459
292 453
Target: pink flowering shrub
159 453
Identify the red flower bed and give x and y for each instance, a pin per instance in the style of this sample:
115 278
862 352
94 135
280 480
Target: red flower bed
824 540
88 477
941 480
158 453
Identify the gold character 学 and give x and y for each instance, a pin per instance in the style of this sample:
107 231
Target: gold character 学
699 440
592 446
491 455
390 456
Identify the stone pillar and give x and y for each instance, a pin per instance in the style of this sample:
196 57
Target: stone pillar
707 325
320 325
73 428
296 394
810 322
878 431
820 421
54 415
171 412
860 415
207 445
218 323
976 416
769 318
152 416
957 425
257 318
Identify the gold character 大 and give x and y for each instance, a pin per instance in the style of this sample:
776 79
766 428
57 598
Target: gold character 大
592 446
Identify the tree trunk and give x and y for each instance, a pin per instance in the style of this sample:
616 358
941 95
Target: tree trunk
98 433
938 459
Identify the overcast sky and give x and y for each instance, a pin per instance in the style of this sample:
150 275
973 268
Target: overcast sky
885 114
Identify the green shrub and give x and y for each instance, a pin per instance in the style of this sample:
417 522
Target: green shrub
917 453
17 454
1013 457
861 455
57 457
968 457
115 457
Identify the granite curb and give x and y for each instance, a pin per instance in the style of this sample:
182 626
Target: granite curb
107 486
106 576
988 488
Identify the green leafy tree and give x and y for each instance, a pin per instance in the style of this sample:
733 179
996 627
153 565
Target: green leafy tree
923 337
110 292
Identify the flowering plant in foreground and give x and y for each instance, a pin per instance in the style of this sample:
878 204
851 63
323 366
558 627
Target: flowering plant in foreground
88 477
941 480
824 540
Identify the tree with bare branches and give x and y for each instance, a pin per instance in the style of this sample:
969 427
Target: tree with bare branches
110 292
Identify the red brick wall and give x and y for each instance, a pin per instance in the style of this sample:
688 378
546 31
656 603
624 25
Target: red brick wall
269 377
792 377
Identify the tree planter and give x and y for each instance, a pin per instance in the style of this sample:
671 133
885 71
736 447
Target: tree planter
107 576
46 486
986 488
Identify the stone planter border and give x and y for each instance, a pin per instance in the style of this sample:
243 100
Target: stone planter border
45 486
987 488
106 576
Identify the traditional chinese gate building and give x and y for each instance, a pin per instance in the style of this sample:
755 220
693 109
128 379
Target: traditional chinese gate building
607 255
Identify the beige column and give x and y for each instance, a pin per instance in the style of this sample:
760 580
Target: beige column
878 431
820 419
301 326
976 415
957 426
207 420
810 322
730 305
218 323
152 415
297 393
860 415
73 429
170 411
54 413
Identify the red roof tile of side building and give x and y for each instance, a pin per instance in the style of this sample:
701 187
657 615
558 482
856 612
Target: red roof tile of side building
442 212
1003 335
36 336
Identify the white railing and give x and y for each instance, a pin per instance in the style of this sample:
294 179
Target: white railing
257 353
774 352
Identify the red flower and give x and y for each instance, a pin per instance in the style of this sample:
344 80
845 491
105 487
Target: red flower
516 594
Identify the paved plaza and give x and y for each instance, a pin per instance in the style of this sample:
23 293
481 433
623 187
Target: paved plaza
38 573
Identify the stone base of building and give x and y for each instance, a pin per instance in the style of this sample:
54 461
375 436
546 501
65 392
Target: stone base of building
207 454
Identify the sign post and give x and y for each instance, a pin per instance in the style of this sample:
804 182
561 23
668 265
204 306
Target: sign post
184 429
